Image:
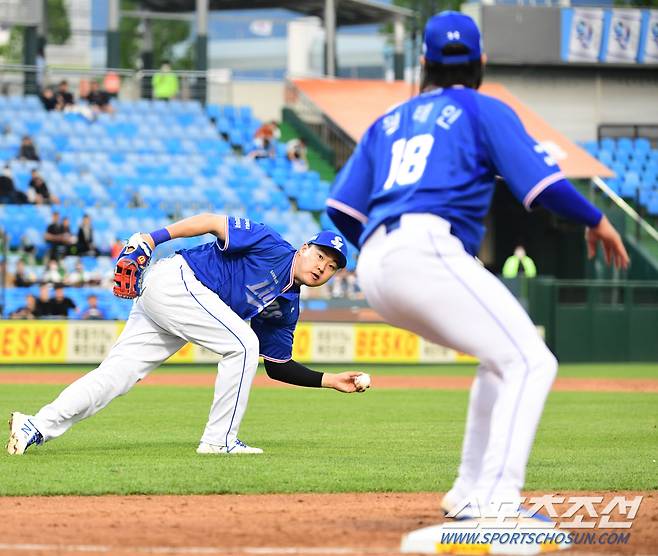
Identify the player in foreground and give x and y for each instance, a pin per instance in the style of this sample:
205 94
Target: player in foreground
205 295
413 197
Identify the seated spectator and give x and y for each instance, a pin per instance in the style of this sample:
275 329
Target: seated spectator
23 278
116 248
296 153
64 97
27 150
79 277
38 192
60 304
53 273
58 236
266 150
27 251
269 130
9 195
26 312
92 311
48 99
85 244
43 306
98 99
112 84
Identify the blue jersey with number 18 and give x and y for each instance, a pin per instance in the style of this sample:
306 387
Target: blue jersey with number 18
439 153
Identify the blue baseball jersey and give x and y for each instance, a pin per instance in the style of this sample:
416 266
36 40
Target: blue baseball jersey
439 153
252 272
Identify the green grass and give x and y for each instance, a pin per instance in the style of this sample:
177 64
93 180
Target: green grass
321 441
581 370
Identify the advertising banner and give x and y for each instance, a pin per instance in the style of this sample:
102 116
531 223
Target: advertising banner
88 342
649 38
622 36
583 31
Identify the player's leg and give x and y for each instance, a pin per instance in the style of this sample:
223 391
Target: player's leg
140 348
420 278
200 316
483 395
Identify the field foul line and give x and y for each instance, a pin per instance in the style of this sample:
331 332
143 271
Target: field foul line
276 550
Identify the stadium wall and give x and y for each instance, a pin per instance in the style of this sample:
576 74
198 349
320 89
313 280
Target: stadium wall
575 100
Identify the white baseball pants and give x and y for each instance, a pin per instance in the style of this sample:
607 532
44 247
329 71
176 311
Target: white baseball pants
419 277
173 309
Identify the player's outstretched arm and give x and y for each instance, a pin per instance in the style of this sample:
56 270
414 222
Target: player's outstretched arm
613 247
199 224
295 373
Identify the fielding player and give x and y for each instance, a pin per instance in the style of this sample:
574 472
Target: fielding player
205 295
413 196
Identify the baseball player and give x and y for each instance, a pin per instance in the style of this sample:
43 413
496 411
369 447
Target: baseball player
413 197
237 296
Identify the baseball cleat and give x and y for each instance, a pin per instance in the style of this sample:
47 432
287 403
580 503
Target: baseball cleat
237 447
22 434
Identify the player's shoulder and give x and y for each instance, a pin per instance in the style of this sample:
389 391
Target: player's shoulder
492 106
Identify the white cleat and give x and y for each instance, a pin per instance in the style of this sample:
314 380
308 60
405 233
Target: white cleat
237 447
22 434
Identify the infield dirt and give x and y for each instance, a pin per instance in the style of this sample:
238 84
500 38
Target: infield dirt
245 524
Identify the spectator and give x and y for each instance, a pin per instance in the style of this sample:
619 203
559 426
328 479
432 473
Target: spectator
27 250
112 84
8 193
58 236
27 150
60 304
23 278
48 99
165 83
85 244
53 273
64 97
98 99
79 277
296 152
519 260
92 311
270 131
116 248
43 307
28 311
38 192
266 150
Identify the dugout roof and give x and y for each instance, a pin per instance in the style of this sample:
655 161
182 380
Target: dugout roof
348 12
354 104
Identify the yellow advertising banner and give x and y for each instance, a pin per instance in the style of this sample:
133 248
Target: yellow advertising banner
315 342
33 341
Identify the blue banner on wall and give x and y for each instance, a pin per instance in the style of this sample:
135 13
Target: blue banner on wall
582 34
649 38
609 35
621 36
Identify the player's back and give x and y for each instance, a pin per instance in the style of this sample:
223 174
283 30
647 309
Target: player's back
429 157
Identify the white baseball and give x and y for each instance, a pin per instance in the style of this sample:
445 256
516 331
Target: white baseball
362 381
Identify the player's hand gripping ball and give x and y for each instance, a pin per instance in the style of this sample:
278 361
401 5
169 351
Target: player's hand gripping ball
362 382
130 266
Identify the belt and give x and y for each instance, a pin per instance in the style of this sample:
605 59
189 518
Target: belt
392 224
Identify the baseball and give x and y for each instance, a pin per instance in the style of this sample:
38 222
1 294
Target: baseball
362 382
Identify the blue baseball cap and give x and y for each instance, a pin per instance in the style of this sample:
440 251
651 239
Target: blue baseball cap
335 242
451 27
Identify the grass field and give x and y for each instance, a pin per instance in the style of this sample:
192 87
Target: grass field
574 370
322 441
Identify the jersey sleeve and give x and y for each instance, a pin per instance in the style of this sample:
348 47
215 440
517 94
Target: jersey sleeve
243 234
351 191
525 165
275 338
